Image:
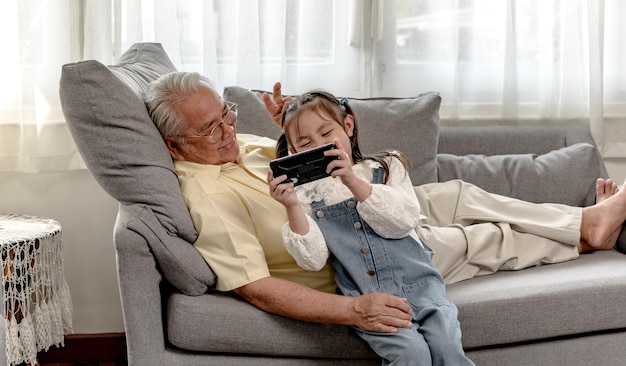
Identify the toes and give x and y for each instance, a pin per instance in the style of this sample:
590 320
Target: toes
605 188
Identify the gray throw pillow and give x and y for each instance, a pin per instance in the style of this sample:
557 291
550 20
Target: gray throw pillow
566 175
126 155
410 125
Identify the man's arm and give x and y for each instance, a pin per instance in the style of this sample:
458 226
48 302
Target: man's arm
376 312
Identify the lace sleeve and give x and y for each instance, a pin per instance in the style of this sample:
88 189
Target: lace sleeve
392 209
309 250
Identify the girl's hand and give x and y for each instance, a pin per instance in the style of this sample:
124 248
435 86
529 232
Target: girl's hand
282 192
342 167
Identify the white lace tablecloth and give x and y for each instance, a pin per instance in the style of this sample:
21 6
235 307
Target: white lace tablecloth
37 306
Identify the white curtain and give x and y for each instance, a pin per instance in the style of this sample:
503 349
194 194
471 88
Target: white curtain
33 135
514 61
510 61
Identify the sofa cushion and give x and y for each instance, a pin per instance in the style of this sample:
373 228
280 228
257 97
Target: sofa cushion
205 323
413 125
566 175
566 299
124 151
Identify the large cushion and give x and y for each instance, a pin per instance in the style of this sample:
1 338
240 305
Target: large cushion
413 125
566 175
126 155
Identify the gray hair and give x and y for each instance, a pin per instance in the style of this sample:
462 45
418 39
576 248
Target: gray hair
165 93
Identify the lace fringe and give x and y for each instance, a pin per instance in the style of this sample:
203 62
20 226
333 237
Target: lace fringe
37 302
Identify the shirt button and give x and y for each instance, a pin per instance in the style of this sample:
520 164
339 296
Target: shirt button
371 272
319 214
357 225
351 204
365 250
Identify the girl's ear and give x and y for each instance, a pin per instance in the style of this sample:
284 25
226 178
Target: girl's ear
292 150
348 123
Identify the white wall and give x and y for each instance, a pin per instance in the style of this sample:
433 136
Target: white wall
87 215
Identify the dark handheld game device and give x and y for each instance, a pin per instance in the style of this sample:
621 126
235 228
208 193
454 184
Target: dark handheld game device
305 166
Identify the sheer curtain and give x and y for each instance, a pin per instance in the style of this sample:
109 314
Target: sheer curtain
512 61
33 136
515 61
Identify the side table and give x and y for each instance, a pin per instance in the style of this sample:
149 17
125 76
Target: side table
36 306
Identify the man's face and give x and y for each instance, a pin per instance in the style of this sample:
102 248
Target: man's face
202 111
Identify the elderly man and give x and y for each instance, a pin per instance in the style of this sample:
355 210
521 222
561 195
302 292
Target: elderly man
223 179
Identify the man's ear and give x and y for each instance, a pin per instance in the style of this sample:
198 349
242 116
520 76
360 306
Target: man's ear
348 123
173 147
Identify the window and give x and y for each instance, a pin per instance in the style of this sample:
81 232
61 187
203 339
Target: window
518 61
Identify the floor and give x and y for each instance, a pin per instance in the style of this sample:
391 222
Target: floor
104 363
108 349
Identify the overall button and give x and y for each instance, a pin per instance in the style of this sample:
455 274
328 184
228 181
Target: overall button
365 250
357 225
371 272
319 214
351 204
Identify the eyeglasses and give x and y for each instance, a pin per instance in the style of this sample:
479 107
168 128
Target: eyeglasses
216 134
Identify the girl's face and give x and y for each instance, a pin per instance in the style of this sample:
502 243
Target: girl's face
316 128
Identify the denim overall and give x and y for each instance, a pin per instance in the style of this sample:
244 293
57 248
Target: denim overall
365 262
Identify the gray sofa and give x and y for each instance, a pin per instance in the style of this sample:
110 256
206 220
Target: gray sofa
561 314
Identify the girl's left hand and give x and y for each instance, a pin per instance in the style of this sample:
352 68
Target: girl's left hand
342 167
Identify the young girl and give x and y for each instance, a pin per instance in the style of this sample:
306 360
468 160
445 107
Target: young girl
365 215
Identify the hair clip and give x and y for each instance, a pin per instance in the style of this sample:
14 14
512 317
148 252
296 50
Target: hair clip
343 102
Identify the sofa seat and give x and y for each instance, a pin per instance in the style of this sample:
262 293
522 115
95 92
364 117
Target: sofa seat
566 299
570 299
204 323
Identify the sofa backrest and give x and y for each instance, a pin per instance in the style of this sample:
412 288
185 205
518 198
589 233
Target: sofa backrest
410 125
539 163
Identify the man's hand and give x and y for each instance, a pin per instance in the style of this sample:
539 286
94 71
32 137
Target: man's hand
275 104
380 312
376 312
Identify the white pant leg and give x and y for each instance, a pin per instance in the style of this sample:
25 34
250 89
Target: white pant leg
474 232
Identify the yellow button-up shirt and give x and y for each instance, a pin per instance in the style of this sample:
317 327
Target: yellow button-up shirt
238 223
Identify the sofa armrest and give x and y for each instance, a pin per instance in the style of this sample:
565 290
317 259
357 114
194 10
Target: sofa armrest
140 292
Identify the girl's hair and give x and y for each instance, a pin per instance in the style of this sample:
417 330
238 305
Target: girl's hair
164 95
325 104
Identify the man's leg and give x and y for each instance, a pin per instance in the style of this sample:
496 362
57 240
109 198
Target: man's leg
554 228
463 252
474 232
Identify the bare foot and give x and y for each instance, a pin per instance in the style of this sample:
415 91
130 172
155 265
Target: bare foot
605 189
601 223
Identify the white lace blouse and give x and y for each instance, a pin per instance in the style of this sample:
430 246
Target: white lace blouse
392 210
